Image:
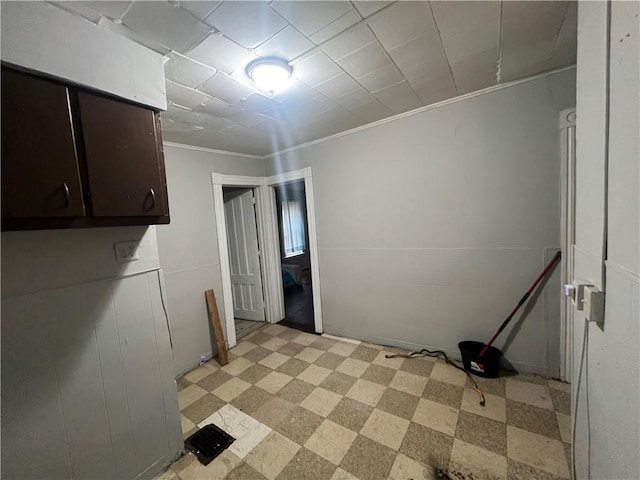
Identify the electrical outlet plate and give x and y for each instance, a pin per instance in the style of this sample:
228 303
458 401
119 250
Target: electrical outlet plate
594 305
576 292
126 251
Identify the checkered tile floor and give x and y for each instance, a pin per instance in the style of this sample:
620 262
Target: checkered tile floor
331 410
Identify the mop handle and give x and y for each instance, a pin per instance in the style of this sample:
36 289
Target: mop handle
521 302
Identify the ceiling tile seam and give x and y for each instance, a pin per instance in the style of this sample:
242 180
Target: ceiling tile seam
248 50
444 50
180 106
177 5
278 14
425 108
297 31
306 52
166 59
254 50
379 89
216 31
126 11
394 84
353 5
332 21
564 19
203 113
195 16
193 89
499 60
328 80
208 14
379 13
396 65
355 79
361 76
335 21
318 46
212 31
218 72
358 49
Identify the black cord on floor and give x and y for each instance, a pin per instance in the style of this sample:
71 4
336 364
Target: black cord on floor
439 353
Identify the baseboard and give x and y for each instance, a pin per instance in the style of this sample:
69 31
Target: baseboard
452 354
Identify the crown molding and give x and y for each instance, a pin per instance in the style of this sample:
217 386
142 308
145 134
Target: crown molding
210 150
417 111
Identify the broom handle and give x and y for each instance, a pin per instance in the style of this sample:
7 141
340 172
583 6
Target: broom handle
521 302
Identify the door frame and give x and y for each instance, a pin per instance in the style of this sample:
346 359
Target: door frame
269 240
567 126
219 181
306 175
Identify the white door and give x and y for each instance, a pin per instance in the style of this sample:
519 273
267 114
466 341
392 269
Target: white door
244 256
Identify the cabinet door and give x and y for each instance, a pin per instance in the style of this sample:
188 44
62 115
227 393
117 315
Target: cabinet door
40 176
123 159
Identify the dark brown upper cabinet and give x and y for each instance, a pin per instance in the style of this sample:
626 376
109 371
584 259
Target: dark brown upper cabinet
40 173
123 158
76 158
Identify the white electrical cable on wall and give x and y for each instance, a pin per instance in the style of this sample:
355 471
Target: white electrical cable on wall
583 362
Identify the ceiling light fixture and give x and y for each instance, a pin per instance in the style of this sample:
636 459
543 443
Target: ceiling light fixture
270 74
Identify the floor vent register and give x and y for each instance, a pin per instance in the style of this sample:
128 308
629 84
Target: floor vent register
208 442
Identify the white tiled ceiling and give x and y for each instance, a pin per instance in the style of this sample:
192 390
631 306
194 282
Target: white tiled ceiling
247 23
310 17
166 24
188 72
354 62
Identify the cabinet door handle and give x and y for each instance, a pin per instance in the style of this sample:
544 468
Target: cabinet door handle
153 198
67 194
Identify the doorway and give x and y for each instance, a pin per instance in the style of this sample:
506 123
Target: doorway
244 259
297 281
268 240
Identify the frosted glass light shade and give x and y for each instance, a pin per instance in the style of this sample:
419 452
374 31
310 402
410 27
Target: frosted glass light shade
270 74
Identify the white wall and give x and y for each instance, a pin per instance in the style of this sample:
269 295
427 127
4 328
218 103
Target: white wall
189 246
608 426
431 227
87 377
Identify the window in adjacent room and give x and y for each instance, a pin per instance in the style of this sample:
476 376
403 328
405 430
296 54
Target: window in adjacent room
293 227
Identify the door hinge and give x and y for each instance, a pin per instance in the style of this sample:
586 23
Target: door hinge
253 200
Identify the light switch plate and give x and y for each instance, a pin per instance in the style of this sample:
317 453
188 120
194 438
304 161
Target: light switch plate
126 251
